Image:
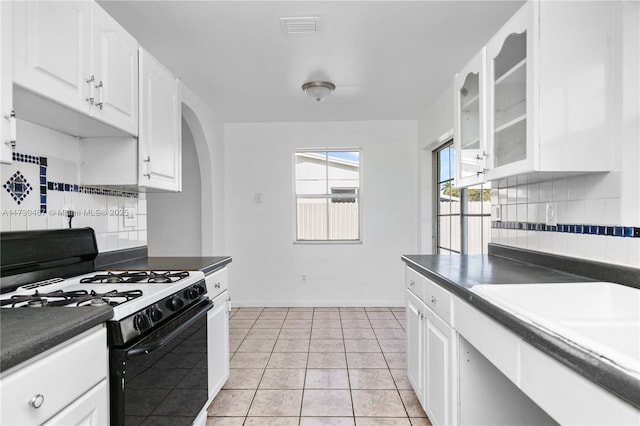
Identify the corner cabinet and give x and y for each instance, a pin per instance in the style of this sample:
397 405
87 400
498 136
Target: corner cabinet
431 348
160 136
75 69
550 94
7 119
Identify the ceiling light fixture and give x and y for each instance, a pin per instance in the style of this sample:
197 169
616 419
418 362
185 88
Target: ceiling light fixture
318 90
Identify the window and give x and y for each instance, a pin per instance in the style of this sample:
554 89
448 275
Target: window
327 195
463 224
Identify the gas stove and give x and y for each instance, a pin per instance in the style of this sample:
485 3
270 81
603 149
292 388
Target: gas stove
140 299
160 322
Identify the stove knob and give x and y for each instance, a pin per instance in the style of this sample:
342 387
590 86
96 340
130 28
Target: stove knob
155 313
200 289
141 322
175 303
191 293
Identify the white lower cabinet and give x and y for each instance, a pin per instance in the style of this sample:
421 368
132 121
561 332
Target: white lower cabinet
218 344
67 385
88 410
415 344
431 349
440 362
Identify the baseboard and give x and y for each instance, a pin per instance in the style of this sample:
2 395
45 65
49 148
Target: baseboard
316 303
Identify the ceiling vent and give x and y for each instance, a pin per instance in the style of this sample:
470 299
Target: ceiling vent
305 25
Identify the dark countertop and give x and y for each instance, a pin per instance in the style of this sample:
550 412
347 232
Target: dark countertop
204 264
25 332
458 274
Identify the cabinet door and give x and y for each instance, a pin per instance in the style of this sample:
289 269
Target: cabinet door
511 95
115 68
415 344
7 122
470 122
91 409
52 50
439 357
160 137
218 344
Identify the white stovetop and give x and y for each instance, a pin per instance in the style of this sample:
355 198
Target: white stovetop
151 292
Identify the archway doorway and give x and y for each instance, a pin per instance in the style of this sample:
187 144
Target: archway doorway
174 220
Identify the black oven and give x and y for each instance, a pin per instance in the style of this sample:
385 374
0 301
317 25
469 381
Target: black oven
162 377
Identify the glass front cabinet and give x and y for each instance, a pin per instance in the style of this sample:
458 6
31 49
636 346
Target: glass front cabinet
470 137
540 96
511 117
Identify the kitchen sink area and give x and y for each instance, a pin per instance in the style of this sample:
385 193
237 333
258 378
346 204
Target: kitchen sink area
603 318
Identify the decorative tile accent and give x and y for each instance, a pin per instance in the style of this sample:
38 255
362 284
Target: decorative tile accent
18 187
608 230
19 193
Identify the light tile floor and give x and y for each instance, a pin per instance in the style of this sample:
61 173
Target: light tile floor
317 366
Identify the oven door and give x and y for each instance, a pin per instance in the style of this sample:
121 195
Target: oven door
162 378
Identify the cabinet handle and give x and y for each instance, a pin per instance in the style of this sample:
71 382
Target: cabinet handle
91 98
217 285
12 130
37 401
100 88
148 161
412 283
434 299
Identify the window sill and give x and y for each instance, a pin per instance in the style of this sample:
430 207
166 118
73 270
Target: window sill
328 242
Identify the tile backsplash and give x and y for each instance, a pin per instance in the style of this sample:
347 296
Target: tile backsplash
43 183
594 218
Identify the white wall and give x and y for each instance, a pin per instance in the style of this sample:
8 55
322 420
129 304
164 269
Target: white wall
174 220
435 126
101 210
267 265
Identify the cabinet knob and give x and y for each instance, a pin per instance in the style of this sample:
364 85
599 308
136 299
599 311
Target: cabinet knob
37 401
434 299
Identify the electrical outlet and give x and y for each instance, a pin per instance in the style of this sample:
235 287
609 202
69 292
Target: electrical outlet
129 217
551 218
257 197
497 213
303 278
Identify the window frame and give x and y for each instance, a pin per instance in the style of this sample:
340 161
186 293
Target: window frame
463 215
329 196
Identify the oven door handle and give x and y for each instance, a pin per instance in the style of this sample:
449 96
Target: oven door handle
156 344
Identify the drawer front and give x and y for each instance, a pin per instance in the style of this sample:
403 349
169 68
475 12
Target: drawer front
217 282
415 282
438 300
55 381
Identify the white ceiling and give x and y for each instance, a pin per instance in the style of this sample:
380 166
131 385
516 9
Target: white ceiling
389 59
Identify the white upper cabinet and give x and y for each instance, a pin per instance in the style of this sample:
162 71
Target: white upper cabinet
511 96
550 85
470 137
7 121
160 138
72 53
115 64
52 50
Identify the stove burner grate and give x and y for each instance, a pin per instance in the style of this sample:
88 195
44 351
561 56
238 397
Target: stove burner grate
67 298
136 276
